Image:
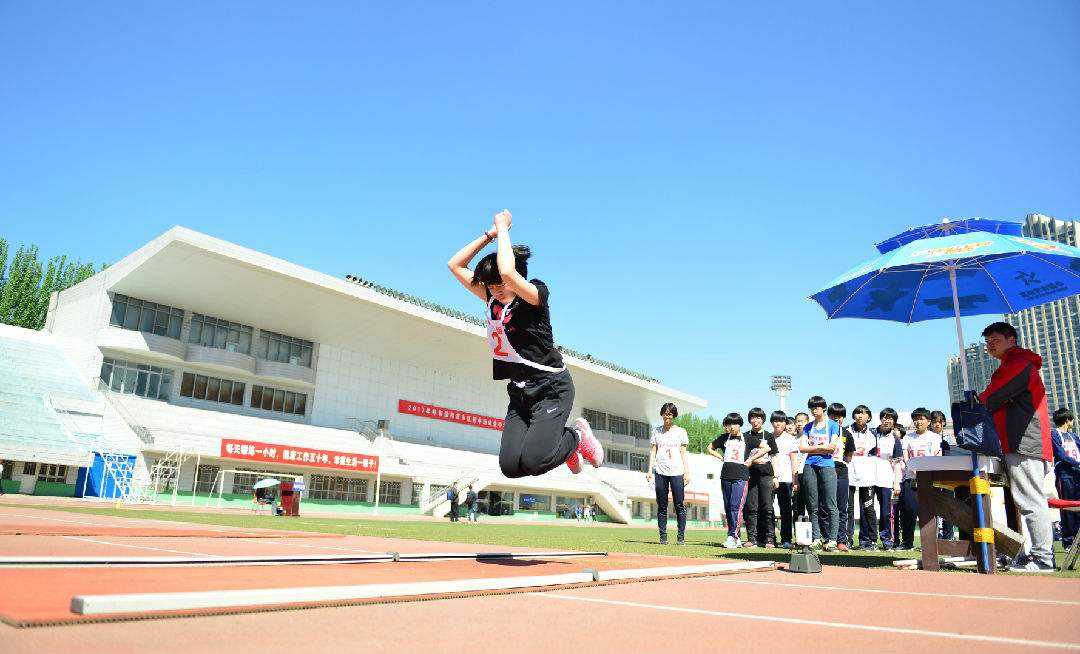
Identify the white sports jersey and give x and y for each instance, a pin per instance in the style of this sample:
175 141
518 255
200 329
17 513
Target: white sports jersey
786 444
669 444
863 471
926 444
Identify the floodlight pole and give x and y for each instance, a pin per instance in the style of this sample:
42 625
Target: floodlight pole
781 384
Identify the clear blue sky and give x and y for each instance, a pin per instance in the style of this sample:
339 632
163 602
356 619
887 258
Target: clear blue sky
685 173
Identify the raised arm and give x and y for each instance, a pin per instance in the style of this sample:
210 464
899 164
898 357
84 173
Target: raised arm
521 287
459 263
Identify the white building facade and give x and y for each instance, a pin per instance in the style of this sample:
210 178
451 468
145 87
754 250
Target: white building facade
196 346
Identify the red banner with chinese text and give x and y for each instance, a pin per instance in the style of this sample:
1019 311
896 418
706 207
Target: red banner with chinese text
449 415
232 448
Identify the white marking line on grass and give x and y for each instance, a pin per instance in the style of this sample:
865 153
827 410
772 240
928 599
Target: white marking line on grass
821 623
992 598
139 547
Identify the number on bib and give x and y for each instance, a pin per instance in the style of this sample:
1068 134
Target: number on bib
499 351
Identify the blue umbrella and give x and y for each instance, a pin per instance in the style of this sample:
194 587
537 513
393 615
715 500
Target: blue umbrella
973 273
948 228
986 272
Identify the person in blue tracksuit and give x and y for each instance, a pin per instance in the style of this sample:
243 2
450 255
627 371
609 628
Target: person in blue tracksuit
1066 446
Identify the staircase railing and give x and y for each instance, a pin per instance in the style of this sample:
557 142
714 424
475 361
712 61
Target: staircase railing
120 467
144 433
437 492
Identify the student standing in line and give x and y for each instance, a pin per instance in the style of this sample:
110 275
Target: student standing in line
798 463
937 425
863 475
820 439
1067 470
922 442
787 445
669 470
536 435
760 521
844 450
897 505
730 448
891 455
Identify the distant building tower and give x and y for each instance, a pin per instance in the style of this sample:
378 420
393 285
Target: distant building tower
980 366
1053 329
782 385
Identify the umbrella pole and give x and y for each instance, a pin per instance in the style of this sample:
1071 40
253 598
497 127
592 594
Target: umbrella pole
986 564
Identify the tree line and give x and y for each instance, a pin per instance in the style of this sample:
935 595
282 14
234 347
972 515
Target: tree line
26 283
701 431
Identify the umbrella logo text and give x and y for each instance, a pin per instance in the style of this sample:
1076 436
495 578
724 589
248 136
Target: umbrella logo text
966 302
1027 278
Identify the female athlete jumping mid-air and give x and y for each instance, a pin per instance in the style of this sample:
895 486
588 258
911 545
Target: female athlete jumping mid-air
535 438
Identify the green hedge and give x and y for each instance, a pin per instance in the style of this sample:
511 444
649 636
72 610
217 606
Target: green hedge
54 489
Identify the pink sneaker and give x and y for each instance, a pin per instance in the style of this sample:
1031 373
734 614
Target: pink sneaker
591 450
574 462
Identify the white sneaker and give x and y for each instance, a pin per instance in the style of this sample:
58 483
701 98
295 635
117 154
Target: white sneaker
730 543
1033 567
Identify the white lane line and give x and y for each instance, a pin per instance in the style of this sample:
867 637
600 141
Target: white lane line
139 547
270 541
171 523
992 598
823 623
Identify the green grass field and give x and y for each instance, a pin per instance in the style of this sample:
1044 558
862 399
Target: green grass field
703 544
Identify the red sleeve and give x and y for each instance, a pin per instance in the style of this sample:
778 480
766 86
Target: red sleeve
1007 382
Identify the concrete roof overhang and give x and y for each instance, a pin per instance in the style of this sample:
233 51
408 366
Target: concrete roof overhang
207 275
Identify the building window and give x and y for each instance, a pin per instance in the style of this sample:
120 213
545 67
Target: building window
617 457
244 481
638 462
205 478
390 492
530 502
597 419
639 429
211 389
222 334
285 349
347 489
619 425
274 399
139 379
51 472
143 316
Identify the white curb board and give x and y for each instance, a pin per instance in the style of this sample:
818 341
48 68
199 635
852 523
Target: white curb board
275 559
149 602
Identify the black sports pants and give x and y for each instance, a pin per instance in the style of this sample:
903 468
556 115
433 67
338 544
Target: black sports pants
535 437
758 512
